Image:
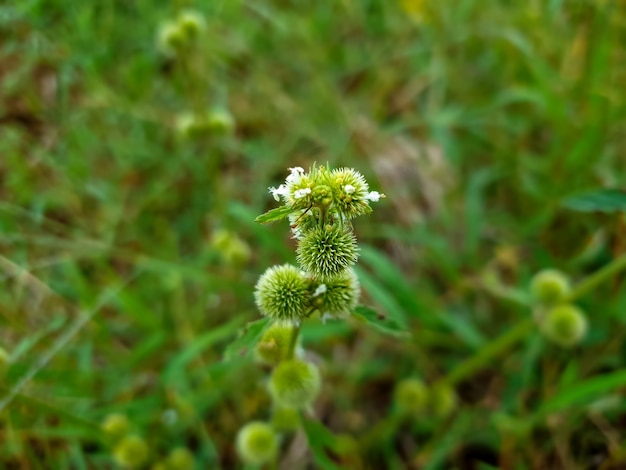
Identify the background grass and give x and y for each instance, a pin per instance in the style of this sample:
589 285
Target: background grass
475 118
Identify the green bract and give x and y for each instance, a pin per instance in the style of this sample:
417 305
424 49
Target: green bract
328 251
257 443
295 383
281 293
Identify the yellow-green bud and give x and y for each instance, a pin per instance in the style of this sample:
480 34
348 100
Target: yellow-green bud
443 400
131 452
257 443
327 251
275 343
115 426
220 121
295 383
565 325
180 459
232 249
411 397
550 287
191 23
171 38
282 293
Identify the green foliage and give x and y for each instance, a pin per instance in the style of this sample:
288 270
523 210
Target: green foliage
494 128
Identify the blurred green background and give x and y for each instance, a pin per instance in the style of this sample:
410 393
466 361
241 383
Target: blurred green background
129 251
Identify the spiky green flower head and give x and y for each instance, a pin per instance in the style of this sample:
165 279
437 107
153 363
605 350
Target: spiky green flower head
191 23
275 343
180 458
295 383
351 194
337 297
443 400
257 443
171 38
131 452
115 426
411 397
327 251
550 287
282 293
565 325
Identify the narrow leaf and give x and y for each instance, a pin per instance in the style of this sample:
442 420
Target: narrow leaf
246 339
275 214
603 200
320 439
380 322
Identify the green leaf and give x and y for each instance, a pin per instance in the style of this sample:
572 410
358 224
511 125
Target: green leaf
275 214
380 322
246 339
320 439
603 200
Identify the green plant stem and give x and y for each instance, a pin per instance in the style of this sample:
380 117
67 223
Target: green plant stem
604 274
489 353
294 342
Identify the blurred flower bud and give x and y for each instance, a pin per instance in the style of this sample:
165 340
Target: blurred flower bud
295 383
550 287
565 325
281 293
443 400
274 345
115 426
170 39
180 458
257 443
411 397
191 23
131 452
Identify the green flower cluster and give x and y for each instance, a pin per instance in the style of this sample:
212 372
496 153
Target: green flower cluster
320 205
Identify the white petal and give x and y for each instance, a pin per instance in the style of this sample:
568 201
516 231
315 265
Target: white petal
373 196
349 189
321 289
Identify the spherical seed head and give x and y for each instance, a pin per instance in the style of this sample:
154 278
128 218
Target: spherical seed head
411 397
285 418
443 400
170 38
256 443
115 425
338 296
180 458
189 126
274 345
295 383
281 293
131 452
565 325
191 23
550 287
327 251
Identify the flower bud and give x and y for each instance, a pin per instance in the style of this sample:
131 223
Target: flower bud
281 293
550 287
338 296
295 383
131 452
180 458
274 345
191 23
443 400
411 397
170 38
232 249
257 443
115 426
327 251
220 121
565 325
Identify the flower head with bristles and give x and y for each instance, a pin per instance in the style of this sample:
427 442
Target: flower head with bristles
281 293
327 251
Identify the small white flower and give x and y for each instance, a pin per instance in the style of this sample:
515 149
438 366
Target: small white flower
320 290
349 189
295 176
277 192
373 196
300 193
